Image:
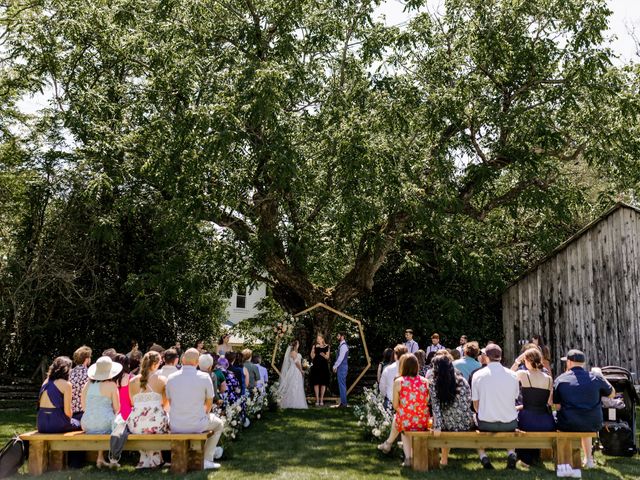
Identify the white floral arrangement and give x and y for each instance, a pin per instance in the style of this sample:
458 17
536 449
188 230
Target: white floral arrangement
373 417
256 403
274 395
232 420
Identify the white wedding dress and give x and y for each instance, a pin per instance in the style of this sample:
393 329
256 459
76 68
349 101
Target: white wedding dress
292 383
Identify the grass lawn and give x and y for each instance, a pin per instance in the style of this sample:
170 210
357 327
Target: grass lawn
322 444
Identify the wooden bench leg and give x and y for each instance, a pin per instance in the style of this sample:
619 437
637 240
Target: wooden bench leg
57 461
434 458
576 458
563 452
38 456
196 456
179 456
422 460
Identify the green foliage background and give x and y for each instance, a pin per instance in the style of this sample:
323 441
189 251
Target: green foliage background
403 174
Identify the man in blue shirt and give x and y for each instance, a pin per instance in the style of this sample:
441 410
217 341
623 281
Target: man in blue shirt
577 395
469 363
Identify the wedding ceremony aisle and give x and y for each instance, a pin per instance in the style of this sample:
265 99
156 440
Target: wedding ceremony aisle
319 444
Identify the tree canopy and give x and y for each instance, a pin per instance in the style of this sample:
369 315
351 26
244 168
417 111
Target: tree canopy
299 143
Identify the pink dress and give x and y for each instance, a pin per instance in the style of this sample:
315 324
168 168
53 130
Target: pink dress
125 401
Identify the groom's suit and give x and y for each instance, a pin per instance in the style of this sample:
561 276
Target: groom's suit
342 367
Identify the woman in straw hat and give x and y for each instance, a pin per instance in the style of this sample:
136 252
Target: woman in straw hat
100 400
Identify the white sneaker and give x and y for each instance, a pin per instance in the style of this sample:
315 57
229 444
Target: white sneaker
589 463
211 465
217 453
576 473
563 471
247 422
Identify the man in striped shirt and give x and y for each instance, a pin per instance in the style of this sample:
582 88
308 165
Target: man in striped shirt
435 344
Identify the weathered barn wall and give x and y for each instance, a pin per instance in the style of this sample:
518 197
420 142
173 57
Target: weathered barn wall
585 295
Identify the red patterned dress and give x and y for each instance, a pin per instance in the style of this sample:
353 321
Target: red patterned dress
412 414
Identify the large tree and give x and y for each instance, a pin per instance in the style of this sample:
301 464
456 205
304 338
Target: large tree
305 138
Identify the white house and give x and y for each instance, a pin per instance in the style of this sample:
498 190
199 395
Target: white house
243 304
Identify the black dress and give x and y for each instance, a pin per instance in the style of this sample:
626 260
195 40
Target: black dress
319 374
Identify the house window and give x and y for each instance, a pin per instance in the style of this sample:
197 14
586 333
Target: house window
241 297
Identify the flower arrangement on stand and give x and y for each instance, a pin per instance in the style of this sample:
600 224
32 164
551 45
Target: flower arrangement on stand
284 327
374 418
274 396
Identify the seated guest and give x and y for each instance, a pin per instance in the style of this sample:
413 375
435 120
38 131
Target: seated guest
450 400
455 354
236 366
264 374
387 359
134 362
233 390
101 400
390 373
577 395
535 413
122 382
219 380
78 378
494 392
410 398
422 362
190 395
54 405
170 366
251 369
469 362
148 398
110 352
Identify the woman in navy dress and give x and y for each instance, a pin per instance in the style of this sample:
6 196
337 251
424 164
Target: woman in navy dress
535 412
54 405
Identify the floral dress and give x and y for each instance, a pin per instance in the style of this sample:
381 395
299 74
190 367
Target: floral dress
233 392
412 414
148 417
457 416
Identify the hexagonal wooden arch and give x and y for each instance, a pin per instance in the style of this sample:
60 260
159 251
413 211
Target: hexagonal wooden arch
343 315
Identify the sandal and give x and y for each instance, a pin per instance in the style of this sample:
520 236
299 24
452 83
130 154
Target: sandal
385 447
407 462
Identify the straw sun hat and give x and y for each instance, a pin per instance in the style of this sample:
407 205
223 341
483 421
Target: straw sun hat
104 369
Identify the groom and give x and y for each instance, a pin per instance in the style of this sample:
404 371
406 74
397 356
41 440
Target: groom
341 367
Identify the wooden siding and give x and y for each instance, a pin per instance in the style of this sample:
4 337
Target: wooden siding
585 295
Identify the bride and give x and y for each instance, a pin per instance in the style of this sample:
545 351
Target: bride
292 380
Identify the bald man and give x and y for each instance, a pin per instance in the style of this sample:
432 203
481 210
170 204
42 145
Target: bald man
190 393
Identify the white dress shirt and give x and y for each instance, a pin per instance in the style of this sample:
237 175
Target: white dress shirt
387 378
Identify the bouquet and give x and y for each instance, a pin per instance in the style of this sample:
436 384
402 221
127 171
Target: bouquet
306 366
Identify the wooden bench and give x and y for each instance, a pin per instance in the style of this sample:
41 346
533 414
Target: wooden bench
426 446
47 450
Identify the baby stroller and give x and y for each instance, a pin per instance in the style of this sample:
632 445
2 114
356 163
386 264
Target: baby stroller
618 437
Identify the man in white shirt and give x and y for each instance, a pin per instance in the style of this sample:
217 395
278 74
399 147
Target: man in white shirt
435 344
411 344
190 393
494 392
170 366
390 373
